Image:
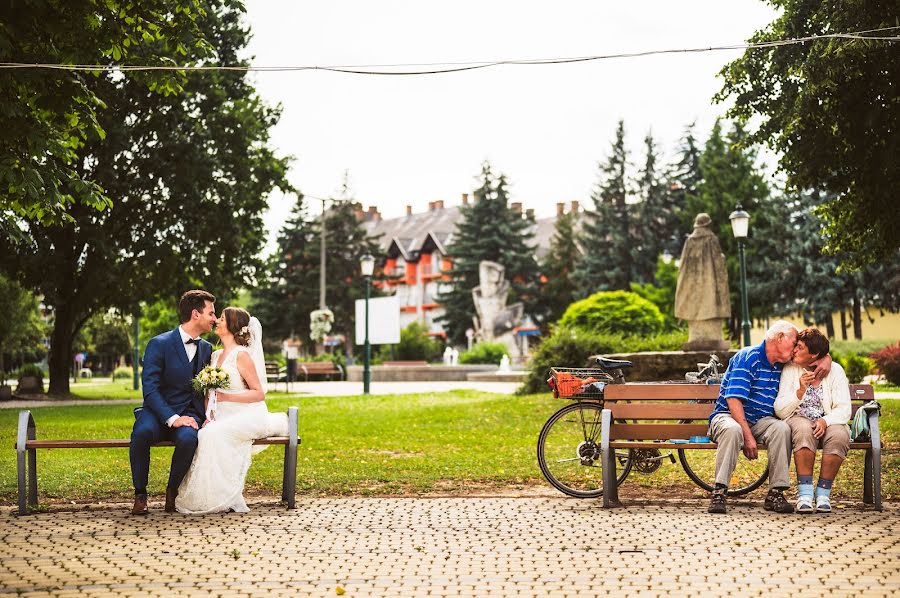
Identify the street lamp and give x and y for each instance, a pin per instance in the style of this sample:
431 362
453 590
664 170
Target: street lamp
740 223
367 267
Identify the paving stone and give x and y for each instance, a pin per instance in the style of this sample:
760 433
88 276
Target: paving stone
451 547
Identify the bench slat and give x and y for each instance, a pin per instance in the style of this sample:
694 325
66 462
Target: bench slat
660 411
656 431
660 391
119 443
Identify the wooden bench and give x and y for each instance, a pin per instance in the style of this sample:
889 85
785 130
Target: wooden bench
275 374
321 368
625 425
27 445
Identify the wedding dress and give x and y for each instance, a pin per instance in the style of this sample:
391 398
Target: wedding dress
215 481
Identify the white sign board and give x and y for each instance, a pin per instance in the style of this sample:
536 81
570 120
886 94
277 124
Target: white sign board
384 321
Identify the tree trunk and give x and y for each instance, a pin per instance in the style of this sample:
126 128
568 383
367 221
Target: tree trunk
857 319
829 325
61 349
843 324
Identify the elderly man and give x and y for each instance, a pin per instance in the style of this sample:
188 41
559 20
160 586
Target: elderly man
744 414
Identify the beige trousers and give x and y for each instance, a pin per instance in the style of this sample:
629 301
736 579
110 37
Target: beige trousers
774 432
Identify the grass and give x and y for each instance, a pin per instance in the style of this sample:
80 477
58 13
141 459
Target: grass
376 445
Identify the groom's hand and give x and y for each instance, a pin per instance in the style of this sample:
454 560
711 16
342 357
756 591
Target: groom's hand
185 420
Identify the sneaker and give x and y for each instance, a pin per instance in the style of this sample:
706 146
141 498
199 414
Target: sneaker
805 506
717 502
775 501
823 504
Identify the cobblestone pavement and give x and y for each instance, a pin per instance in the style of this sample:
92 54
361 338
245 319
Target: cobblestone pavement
452 547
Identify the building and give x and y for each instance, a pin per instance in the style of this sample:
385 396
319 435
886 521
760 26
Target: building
417 249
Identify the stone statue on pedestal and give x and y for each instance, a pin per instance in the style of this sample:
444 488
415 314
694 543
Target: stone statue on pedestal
495 320
701 296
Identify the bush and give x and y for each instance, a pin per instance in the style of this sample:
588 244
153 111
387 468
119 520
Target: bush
614 312
414 345
31 370
856 367
124 373
888 360
568 347
484 353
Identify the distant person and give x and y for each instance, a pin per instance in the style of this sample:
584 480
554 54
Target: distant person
817 413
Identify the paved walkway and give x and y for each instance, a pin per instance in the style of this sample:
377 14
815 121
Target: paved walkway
452 547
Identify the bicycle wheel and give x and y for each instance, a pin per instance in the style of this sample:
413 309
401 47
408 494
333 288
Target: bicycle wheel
568 451
700 465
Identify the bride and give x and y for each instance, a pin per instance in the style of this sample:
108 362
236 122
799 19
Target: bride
234 419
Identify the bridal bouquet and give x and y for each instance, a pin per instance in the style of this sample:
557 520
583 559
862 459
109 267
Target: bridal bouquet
207 382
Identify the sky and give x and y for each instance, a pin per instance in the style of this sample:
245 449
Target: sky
415 139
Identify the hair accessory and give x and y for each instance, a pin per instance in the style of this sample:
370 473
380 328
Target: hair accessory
244 330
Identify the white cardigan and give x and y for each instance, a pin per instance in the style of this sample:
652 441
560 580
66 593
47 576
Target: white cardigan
835 395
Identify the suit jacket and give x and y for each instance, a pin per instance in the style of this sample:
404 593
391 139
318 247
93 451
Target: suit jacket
167 375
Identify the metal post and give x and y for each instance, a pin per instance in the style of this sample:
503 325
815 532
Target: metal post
136 353
745 310
367 374
322 261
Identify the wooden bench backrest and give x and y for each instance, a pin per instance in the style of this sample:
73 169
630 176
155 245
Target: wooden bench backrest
670 402
318 367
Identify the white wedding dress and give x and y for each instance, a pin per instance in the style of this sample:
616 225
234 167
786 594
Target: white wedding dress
215 481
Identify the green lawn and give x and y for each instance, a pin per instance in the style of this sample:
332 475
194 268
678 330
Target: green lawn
380 445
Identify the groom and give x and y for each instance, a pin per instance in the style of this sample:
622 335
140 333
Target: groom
172 410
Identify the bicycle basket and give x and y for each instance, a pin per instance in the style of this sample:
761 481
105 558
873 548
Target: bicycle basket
578 383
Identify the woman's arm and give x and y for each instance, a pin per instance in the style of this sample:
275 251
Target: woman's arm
839 388
254 392
787 401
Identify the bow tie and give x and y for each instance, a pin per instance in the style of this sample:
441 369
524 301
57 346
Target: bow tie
192 341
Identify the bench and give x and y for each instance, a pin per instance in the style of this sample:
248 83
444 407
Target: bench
27 445
685 409
321 368
275 374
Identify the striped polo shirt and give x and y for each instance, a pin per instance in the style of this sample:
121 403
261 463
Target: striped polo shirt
752 379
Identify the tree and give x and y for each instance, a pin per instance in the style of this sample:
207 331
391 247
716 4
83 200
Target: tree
684 177
607 262
188 173
22 330
48 115
657 219
829 108
559 290
489 230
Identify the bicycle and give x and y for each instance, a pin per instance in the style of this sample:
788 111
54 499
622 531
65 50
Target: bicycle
568 448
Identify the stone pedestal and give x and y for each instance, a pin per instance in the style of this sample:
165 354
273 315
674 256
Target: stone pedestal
705 335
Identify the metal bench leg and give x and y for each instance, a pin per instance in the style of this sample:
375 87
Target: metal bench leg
608 464
876 458
26 475
867 479
289 480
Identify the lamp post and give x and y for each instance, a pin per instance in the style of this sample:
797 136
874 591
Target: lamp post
366 267
740 224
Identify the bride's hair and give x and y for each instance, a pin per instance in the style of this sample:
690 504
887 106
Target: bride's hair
238 322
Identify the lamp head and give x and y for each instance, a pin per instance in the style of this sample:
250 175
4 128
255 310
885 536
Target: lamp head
367 265
740 222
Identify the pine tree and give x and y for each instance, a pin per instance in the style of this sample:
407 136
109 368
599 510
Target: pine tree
685 177
559 289
607 262
489 230
656 219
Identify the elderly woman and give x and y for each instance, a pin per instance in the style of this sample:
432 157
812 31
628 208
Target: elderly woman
817 413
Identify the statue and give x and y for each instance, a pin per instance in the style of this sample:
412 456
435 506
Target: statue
495 320
701 296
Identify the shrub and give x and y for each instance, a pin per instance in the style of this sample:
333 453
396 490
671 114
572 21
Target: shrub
570 347
888 360
414 345
856 367
124 373
614 312
31 370
484 353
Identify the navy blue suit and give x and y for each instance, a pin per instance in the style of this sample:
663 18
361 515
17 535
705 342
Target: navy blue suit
166 378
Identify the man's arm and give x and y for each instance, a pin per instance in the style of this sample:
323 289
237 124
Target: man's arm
736 408
823 368
151 380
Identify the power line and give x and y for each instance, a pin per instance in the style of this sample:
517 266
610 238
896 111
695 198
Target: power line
436 68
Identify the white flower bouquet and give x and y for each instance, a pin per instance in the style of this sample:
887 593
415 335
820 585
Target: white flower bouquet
207 382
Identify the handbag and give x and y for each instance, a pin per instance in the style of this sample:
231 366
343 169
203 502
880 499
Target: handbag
859 427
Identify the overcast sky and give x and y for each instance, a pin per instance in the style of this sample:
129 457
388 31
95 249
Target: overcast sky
411 140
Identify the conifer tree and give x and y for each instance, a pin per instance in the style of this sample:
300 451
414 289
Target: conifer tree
607 262
657 220
489 230
684 177
559 289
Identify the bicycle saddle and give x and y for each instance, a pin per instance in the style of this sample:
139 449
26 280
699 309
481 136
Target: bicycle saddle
613 364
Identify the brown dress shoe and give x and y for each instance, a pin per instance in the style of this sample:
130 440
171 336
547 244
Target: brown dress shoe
140 505
170 500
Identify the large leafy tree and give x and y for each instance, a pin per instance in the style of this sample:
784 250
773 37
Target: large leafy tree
188 174
48 115
21 328
829 108
608 262
489 230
